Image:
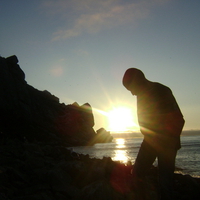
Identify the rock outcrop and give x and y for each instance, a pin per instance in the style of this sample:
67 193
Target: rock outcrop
103 136
30 114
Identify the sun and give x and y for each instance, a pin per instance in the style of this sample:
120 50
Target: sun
121 119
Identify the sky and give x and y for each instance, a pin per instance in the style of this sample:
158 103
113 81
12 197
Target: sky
79 49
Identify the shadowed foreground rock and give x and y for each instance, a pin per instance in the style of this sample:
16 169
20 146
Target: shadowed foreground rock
35 163
35 170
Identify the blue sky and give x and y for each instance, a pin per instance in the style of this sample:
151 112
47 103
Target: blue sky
79 50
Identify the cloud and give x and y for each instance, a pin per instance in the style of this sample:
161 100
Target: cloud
92 16
57 69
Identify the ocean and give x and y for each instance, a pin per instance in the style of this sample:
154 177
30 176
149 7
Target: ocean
126 149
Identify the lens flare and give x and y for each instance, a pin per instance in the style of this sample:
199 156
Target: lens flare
121 119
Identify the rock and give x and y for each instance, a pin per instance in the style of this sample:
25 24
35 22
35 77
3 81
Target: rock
27 113
14 68
100 190
31 170
77 124
87 115
187 186
103 136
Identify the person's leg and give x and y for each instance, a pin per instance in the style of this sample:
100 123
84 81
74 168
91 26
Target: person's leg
145 158
166 164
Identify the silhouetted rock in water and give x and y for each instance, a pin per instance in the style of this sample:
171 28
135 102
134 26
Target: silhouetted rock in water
41 167
26 112
103 136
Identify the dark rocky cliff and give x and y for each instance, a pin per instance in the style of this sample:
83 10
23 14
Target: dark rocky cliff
30 114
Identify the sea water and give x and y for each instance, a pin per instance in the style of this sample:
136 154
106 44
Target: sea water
126 149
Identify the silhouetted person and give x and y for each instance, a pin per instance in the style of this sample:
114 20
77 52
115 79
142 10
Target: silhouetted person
161 123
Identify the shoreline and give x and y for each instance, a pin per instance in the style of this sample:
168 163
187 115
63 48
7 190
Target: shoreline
128 148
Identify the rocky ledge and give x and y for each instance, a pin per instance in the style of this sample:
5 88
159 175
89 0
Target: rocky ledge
27 113
36 162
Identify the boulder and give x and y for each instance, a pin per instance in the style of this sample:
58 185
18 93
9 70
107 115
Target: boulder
103 136
76 122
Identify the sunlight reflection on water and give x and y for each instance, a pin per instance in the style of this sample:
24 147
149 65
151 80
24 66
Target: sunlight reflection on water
120 154
120 143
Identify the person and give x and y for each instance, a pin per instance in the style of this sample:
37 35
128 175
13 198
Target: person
161 123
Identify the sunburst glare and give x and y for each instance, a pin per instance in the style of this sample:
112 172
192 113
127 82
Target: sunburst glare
121 119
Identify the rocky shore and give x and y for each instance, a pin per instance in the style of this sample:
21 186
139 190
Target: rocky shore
49 171
36 162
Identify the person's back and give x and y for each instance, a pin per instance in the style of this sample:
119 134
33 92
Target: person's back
159 113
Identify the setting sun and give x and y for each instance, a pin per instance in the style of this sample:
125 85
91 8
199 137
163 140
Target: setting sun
121 119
